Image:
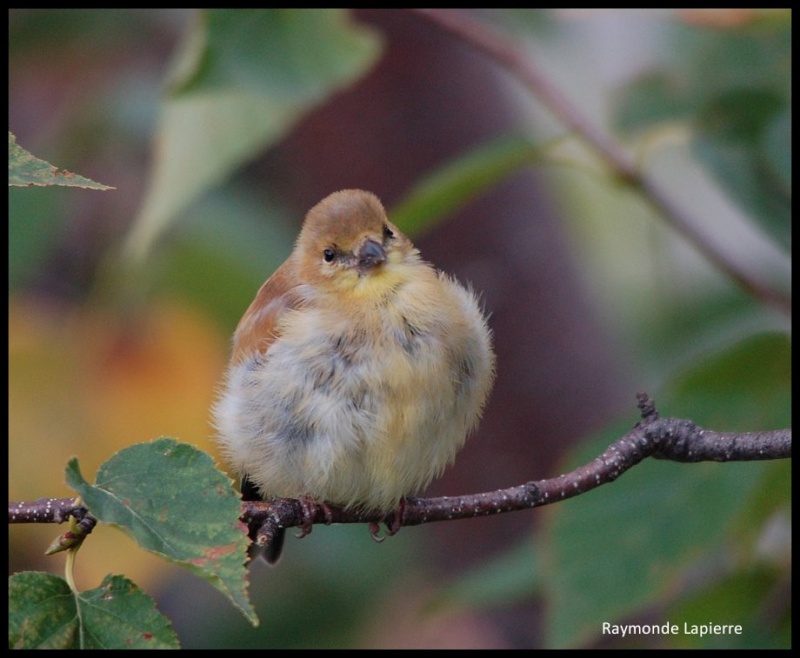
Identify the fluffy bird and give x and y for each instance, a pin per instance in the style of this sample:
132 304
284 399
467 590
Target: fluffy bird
358 370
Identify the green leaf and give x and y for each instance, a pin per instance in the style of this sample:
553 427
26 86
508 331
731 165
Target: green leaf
44 613
243 79
461 180
631 545
279 53
24 170
173 501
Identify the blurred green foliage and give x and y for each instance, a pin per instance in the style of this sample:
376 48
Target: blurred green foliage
733 89
703 542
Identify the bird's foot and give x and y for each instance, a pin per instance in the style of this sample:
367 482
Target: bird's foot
393 521
309 507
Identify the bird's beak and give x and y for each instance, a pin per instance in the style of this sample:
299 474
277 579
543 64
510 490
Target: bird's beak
370 254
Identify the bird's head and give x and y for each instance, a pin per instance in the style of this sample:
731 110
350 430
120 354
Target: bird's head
348 245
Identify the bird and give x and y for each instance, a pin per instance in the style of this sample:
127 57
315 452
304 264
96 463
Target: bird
357 372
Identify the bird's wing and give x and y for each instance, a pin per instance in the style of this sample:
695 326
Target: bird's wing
258 327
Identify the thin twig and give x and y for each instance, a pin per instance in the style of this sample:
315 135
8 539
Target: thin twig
512 57
45 510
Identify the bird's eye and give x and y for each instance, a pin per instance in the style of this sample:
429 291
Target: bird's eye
329 255
387 232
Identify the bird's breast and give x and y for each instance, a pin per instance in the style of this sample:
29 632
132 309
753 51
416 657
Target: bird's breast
361 403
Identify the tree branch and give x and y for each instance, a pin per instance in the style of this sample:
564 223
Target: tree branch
45 510
512 57
673 439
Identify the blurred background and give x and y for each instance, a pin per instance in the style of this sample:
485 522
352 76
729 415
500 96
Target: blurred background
220 129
